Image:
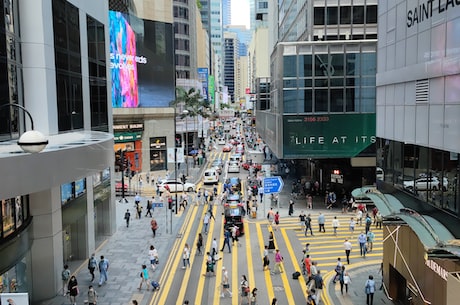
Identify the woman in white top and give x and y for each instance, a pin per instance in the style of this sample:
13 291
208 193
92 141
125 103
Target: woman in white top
335 224
186 257
153 257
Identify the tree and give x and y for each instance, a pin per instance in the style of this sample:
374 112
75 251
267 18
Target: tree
193 102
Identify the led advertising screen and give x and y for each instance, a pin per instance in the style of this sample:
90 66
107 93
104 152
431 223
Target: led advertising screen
141 62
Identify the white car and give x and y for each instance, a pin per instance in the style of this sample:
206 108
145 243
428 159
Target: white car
211 176
221 141
233 167
426 183
176 186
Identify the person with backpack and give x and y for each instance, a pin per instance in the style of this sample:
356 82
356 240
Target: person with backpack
92 264
368 222
92 295
127 217
338 270
144 274
370 290
103 269
65 276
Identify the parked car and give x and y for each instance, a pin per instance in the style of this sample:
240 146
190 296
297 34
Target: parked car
173 186
426 183
233 167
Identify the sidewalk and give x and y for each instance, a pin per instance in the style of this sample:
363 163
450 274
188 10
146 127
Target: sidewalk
127 250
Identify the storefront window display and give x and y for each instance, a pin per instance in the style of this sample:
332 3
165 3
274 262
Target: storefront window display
15 279
13 213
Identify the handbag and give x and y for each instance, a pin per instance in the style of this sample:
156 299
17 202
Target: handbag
247 289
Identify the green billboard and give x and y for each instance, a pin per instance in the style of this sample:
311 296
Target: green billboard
327 136
211 88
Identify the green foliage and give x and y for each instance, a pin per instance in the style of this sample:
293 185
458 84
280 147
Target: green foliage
199 5
193 102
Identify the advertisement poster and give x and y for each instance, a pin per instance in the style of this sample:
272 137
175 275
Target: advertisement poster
203 78
14 298
141 62
328 136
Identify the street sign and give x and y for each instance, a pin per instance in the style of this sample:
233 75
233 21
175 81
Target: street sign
273 185
157 204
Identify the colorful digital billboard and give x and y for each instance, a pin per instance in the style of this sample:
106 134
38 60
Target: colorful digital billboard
141 62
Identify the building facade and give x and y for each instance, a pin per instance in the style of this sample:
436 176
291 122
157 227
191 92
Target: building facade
323 78
418 110
56 205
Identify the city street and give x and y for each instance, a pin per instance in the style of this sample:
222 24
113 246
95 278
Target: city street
127 250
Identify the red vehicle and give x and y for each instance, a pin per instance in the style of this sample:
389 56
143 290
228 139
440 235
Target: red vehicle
227 148
256 166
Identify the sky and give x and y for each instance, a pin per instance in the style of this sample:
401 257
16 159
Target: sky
240 12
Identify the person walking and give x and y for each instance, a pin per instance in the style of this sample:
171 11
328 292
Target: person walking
254 296
302 217
291 207
186 256
266 259
271 242
314 271
225 283
370 240
335 225
92 295
199 244
244 289
209 264
206 223
321 222
362 240
359 216
271 216
378 220
153 257
137 200
368 222
351 226
92 264
338 270
235 234
139 211
346 281
154 227
370 290
72 288
227 235
65 277
149 207
308 225
319 284
103 270
127 217
309 202
347 246
214 247
342 280
144 274
278 261
277 220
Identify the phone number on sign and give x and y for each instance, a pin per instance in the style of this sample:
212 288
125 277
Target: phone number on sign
316 119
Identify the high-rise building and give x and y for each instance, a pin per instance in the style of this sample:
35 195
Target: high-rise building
418 148
56 205
230 63
322 105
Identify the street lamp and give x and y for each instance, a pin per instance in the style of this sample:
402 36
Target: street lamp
31 141
185 113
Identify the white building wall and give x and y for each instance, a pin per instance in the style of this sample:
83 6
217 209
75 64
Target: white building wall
409 51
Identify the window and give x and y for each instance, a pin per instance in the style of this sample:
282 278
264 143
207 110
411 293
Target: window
14 212
318 16
358 14
345 15
290 66
97 75
332 15
68 65
371 14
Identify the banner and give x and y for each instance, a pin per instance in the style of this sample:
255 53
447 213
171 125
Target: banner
14 298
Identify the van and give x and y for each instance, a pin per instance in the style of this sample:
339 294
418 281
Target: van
233 167
236 157
211 176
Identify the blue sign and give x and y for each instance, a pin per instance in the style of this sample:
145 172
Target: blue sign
157 204
273 185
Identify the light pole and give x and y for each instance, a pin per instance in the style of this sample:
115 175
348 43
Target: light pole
31 141
185 113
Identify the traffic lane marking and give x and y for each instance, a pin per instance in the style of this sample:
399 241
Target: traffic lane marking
268 279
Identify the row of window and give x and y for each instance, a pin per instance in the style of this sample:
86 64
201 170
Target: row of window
180 12
182 60
345 15
181 28
327 100
182 44
68 69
